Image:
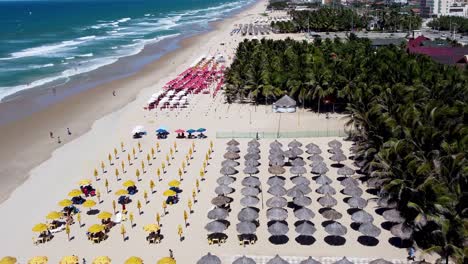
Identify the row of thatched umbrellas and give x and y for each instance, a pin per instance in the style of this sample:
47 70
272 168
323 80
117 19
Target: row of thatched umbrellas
248 215
212 259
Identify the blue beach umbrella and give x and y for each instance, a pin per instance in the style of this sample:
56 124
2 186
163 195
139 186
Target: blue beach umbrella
160 130
190 131
201 130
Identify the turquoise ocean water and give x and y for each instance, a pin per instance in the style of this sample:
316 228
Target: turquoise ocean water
47 43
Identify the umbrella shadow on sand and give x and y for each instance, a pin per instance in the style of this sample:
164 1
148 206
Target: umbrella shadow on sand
300 222
355 226
328 222
381 210
271 222
372 191
351 211
387 225
278 240
337 165
93 212
335 240
400 243
368 241
305 240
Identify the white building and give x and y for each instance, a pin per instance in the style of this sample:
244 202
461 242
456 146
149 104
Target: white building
444 8
458 9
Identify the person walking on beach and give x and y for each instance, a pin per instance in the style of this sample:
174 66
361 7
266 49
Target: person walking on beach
113 93
171 254
411 253
51 134
68 131
59 141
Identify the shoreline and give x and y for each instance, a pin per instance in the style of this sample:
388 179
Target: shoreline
27 140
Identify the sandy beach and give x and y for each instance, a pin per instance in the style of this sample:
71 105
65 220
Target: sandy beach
37 172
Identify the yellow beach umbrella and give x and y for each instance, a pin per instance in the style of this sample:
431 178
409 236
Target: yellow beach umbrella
128 183
151 227
75 193
134 260
174 183
84 182
65 203
104 215
69 260
121 192
8 260
38 260
54 215
89 204
96 228
167 260
169 193
102 260
41 227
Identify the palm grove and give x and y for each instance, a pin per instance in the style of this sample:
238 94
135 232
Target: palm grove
407 117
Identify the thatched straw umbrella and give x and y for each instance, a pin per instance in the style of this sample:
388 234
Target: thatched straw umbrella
345 170
246 227
223 190
380 261
221 200
298 162
296 152
276 202
250 170
357 202
254 156
218 213
277 190
315 158
251 181
298 170
276 170
320 169
344 260
305 229
233 149
278 229
386 202
247 214
276 151
277 162
304 213
209 259
309 260
275 143
326 189
335 150
368 229
295 144
253 143
277 214
215 226
350 182
277 260
336 229
294 192
233 142
327 201
332 214
300 180
353 191
302 201
334 144
304 188
229 163
323 179
253 150
251 163
338 157
289 154
231 156
249 201
276 181
227 171
311 145
314 151
402 231
244 260
225 180
362 216
250 191
393 215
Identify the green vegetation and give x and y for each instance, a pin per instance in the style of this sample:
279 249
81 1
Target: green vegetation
450 23
408 117
323 19
277 5
343 19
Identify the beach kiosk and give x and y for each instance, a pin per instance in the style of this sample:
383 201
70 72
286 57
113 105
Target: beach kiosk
284 105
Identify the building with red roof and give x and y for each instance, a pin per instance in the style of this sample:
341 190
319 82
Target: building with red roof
443 54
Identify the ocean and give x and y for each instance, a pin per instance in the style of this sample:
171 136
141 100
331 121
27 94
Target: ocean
49 43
